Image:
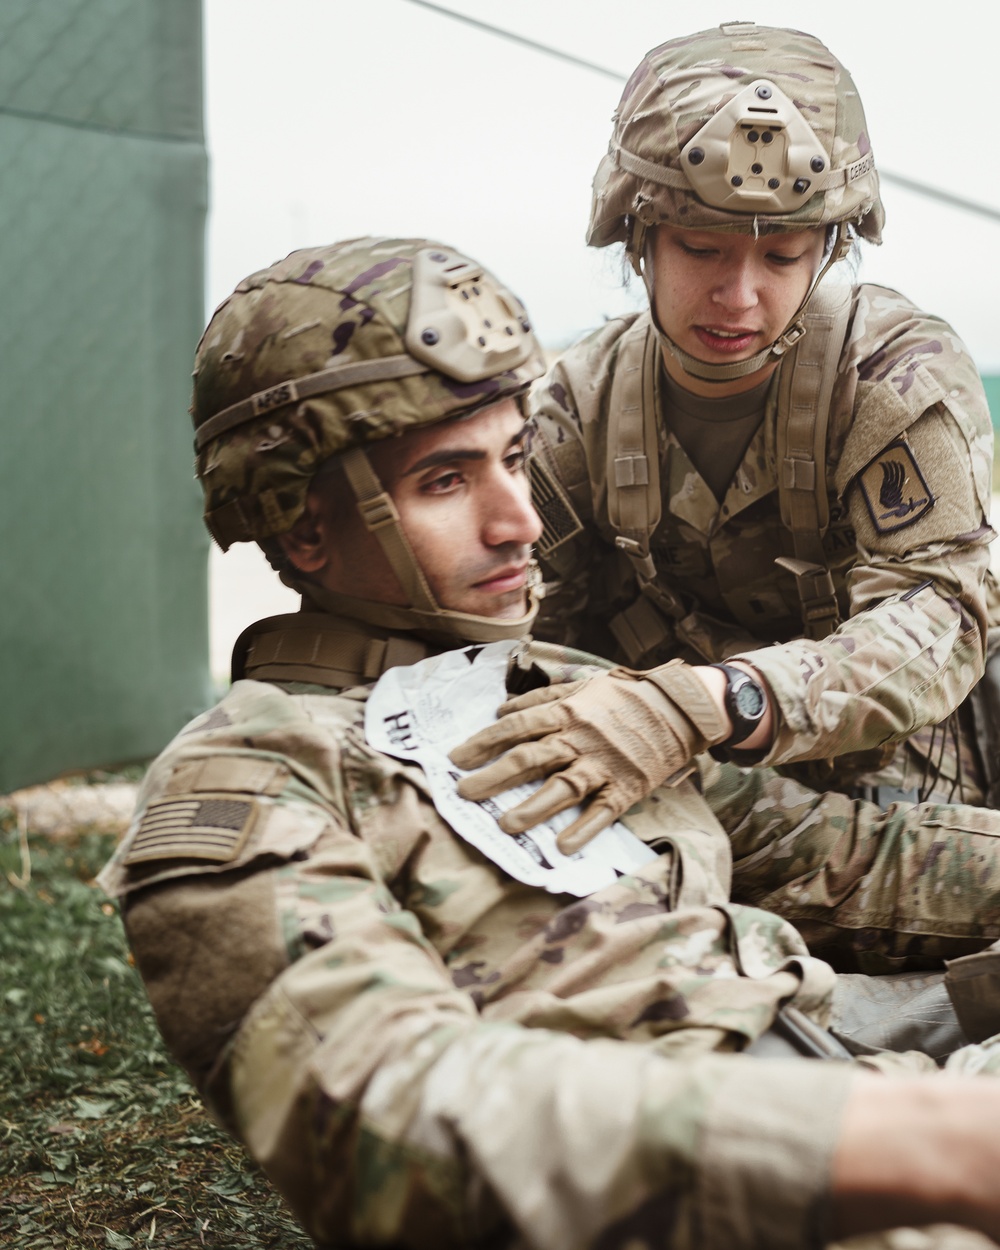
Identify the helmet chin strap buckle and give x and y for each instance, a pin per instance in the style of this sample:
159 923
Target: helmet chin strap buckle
378 511
843 245
794 334
636 240
738 368
534 580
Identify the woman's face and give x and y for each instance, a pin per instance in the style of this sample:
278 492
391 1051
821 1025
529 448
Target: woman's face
724 297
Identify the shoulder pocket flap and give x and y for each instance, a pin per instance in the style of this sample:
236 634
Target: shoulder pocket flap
565 462
882 415
964 819
240 774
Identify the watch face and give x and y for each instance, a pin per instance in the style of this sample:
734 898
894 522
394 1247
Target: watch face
749 700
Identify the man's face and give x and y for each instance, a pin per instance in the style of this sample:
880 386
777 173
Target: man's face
724 297
462 494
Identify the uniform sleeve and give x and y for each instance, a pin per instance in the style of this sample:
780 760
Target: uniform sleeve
389 1113
914 473
324 1030
904 661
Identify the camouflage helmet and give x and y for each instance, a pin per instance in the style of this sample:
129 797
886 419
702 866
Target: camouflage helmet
336 347
735 129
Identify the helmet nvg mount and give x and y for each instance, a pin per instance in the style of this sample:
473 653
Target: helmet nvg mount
742 129
335 348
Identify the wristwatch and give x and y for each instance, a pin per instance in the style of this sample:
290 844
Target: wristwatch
746 703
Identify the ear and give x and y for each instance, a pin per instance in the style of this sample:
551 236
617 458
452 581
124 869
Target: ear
305 544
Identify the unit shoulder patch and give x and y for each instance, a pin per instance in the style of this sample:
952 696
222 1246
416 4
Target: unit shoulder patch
212 827
894 488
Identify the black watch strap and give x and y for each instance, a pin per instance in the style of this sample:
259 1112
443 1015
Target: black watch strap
746 703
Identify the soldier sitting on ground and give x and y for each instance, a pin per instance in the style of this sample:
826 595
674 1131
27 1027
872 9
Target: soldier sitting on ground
429 1033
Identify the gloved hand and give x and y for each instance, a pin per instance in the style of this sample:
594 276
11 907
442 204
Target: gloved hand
607 744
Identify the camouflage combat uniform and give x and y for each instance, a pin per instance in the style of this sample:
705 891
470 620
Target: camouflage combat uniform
421 1051
908 419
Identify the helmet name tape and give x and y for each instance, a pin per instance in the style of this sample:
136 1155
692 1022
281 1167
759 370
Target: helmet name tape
860 168
322 383
276 397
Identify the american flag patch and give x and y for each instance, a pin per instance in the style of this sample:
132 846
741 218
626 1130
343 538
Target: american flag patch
212 827
552 504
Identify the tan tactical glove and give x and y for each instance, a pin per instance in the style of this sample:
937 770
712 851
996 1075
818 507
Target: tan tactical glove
607 744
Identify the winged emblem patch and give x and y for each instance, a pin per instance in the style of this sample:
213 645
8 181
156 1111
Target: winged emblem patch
894 489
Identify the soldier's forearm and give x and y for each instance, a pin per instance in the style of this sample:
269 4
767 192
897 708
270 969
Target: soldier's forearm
917 1152
956 571
469 1128
902 664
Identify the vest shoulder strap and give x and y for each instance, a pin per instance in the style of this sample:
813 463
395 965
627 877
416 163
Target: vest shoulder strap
805 389
633 468
635 504
319 649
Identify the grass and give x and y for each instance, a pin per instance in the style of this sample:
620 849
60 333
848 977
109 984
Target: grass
102 1141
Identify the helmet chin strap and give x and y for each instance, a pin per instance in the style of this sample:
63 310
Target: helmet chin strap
424 615
793 332
443 628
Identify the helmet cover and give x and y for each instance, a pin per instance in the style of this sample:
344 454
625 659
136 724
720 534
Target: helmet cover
737 129
338 347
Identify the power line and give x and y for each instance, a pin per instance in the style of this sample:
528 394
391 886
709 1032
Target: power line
908 184
946 197
526 43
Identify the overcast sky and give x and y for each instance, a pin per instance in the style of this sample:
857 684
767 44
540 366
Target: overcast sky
333 118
